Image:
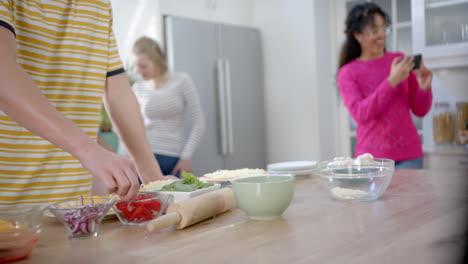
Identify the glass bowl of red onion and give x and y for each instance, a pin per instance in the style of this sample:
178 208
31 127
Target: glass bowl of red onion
82 216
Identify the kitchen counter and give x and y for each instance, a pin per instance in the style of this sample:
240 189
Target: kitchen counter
447 149
420 219
448 156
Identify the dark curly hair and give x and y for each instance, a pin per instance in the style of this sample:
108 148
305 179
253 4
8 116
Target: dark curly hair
359 17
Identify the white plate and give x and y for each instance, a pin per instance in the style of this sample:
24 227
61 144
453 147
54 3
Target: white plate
268 174
217 180
294 172
292 166
180 196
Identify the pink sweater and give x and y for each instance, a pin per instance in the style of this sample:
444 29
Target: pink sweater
385 127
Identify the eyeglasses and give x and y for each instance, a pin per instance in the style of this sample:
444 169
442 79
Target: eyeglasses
375 30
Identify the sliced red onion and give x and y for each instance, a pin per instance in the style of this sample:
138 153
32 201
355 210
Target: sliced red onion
83 220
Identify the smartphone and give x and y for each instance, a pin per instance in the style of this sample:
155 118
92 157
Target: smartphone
417 61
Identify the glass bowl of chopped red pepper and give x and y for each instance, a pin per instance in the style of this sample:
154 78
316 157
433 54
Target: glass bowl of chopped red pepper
19 226
145 208
82 216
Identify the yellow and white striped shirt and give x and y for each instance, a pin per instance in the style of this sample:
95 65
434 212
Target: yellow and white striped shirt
68 49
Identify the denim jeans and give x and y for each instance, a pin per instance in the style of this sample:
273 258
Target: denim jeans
167 163
409 164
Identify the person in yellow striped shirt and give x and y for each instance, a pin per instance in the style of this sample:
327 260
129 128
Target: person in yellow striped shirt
58 61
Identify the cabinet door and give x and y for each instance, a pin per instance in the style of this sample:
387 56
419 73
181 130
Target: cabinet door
440 29
192 48
241 49
404 40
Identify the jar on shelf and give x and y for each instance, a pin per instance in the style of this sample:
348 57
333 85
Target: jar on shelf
442 123
462 121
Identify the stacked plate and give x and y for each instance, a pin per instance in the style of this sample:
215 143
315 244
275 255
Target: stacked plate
293 167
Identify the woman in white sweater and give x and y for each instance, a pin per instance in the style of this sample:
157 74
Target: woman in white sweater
165 99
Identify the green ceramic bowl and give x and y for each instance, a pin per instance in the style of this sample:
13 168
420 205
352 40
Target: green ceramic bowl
264 197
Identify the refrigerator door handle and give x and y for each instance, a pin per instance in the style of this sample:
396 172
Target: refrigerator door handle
222 106
230 129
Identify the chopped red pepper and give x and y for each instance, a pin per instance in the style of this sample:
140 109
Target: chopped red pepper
121 205
152 205
142 210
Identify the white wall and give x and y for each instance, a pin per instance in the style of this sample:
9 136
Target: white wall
291 86
455 81
327 60
133 19
239 12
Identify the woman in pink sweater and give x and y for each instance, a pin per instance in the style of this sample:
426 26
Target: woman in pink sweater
380 89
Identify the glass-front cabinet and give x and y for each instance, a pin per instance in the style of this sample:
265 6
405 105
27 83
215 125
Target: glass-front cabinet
440 32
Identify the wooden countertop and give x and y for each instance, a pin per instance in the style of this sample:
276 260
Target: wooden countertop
418 220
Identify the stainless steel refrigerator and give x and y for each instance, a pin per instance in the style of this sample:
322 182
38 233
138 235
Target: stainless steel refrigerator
225 63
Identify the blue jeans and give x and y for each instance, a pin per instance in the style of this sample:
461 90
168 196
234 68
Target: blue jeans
167 163
409 164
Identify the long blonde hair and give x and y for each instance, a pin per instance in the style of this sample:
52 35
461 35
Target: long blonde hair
151 48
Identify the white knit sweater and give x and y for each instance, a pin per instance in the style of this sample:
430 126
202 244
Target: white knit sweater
164 111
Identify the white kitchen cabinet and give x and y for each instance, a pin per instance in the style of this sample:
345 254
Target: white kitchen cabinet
404 39
440 32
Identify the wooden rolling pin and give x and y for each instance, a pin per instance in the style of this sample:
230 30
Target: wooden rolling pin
188 212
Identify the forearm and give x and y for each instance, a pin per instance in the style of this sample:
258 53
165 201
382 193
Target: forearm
194 138
421 102
194 109
124 111
23 102
364 109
